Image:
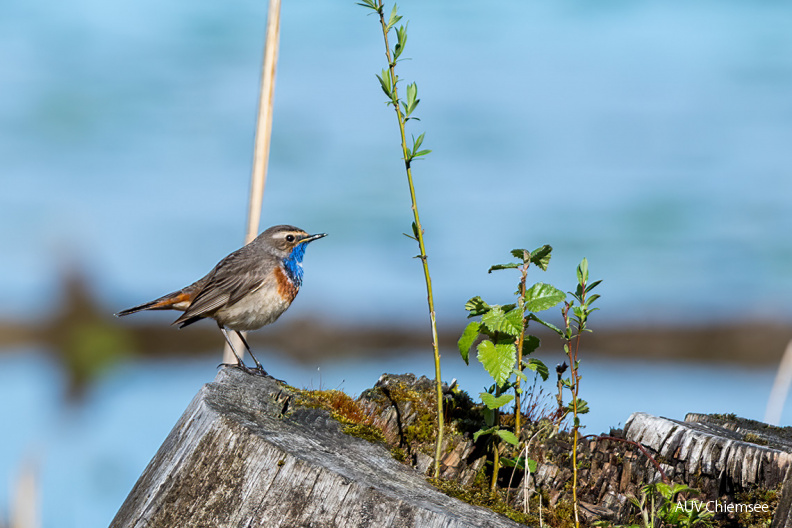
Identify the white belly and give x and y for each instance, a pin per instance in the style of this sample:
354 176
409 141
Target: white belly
258 309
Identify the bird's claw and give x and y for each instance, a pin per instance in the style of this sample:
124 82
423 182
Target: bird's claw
258 371
241 366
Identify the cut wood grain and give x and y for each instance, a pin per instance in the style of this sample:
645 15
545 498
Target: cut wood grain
244 455
739 452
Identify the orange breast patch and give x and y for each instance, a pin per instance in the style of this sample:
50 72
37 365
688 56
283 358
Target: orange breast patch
286 288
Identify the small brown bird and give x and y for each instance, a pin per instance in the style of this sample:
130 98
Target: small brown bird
248 289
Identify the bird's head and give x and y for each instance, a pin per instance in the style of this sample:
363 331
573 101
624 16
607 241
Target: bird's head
287 241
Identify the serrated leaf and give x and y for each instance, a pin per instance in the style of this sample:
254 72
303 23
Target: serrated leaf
510 265
539 367
495 403
507 436
469 335
521 254
483 432
530 344
541 296
498 321
498 360
551 326
540 257
477 306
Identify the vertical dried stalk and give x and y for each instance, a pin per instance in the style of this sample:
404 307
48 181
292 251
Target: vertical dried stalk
263 136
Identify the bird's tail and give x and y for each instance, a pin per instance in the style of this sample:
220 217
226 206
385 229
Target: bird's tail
177 300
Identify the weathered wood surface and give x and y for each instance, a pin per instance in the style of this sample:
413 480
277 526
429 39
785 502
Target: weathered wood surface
739 452
242 455
723 452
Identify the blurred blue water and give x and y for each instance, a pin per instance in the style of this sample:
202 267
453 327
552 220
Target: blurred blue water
652 138
89 456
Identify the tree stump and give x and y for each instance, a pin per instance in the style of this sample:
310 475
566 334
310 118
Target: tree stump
720 454
738 452
244 454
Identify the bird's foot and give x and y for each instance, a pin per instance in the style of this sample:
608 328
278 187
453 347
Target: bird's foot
259 371
241 366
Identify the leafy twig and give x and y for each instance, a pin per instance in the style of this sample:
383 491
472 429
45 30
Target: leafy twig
404 112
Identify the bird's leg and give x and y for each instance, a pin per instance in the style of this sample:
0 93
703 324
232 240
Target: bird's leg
258 368
240 365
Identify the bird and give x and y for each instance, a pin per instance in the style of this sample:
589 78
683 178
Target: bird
248 289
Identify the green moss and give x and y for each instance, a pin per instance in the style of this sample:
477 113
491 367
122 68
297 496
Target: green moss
398 453
482 497
758 496
726 417
754 439
370 433
344 409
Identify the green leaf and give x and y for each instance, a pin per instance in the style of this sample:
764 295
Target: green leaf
582 406
469 335
582 272
483 432
512 462
401 41
531 465
412 102
489 416
498 360
530 344
593 285
495 403
522 254
371 4
510 265
418 142
386 83
540 257
477 306
551 326
497 321
541 296
507 436
414 153
394 18
539 367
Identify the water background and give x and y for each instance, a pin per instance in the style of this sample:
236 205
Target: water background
652 138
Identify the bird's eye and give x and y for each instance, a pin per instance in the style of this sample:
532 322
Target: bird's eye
289 238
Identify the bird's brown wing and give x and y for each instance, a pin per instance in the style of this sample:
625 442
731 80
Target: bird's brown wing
234 277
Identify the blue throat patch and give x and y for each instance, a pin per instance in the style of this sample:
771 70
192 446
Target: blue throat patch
293 264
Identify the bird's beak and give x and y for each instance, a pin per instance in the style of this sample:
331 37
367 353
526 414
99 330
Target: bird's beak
311 238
